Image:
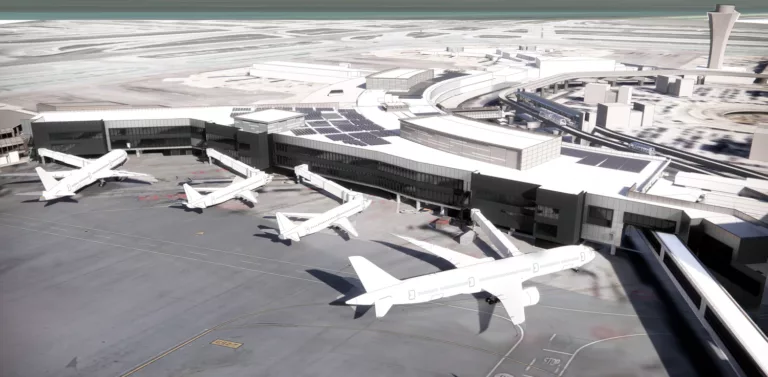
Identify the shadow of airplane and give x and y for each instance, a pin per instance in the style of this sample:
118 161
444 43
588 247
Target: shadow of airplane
65 199
349 287
271 234
198 211
484 310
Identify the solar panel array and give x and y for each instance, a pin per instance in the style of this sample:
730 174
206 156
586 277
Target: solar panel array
303 131
606 161
347 126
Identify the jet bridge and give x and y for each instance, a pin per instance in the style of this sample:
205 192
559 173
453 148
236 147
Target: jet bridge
231 163
304 175
502 243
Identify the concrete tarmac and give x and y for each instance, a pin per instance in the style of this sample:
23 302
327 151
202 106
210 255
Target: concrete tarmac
119 283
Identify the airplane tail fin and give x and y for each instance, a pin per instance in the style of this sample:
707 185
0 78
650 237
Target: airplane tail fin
192 195
48 181
372 277
284 225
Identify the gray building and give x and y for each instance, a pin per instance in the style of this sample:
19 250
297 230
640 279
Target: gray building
398 79
721 23
270 121
482 141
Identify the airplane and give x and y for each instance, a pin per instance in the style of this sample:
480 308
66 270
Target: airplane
501 278
337 217
89 171
239 188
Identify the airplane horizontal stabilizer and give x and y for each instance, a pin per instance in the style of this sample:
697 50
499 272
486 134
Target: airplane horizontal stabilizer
372 277
344 223
48 181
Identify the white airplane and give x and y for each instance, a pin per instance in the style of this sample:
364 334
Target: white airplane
239 188
501 278
90 171
337 217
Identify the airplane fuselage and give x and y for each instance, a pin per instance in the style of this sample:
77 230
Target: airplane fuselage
469 279
229 192
85 175
355 205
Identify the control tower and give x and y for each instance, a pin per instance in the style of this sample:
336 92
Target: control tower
720 25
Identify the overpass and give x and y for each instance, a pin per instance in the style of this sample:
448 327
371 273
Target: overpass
547 81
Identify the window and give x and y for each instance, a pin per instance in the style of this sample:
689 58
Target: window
649 222
546 230
548 212
600 216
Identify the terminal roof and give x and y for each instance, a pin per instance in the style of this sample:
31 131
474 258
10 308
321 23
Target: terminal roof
397 73
268 116
214 114
480 131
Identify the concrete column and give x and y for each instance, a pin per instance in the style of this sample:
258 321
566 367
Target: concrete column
398 203
210 161
418 206
613 249
442 210
612 83
720 25
138 153
565 84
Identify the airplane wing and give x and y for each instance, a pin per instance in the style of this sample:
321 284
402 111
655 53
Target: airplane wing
300 215
63 157
511 296
454 257
123 174
344 223
61 173
206 189
248 195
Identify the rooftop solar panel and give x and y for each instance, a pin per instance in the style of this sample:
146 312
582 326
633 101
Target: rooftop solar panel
634 166
613 162
354 142
377 141
592 160
348 127
327 130
303 131
339 137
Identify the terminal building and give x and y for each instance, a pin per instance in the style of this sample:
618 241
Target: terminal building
398 79
530 183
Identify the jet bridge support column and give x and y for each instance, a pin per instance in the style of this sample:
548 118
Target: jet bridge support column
503 245
398 203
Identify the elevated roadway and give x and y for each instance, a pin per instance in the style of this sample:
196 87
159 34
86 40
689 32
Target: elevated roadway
686 156
540 83
676 162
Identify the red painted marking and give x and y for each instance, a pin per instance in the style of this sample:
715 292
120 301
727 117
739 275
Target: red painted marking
602 332
198 172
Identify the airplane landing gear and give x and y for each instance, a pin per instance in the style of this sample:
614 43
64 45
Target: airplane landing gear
102 182
575 269
492 300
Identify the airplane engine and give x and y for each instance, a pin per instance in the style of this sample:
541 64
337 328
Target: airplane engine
530 296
